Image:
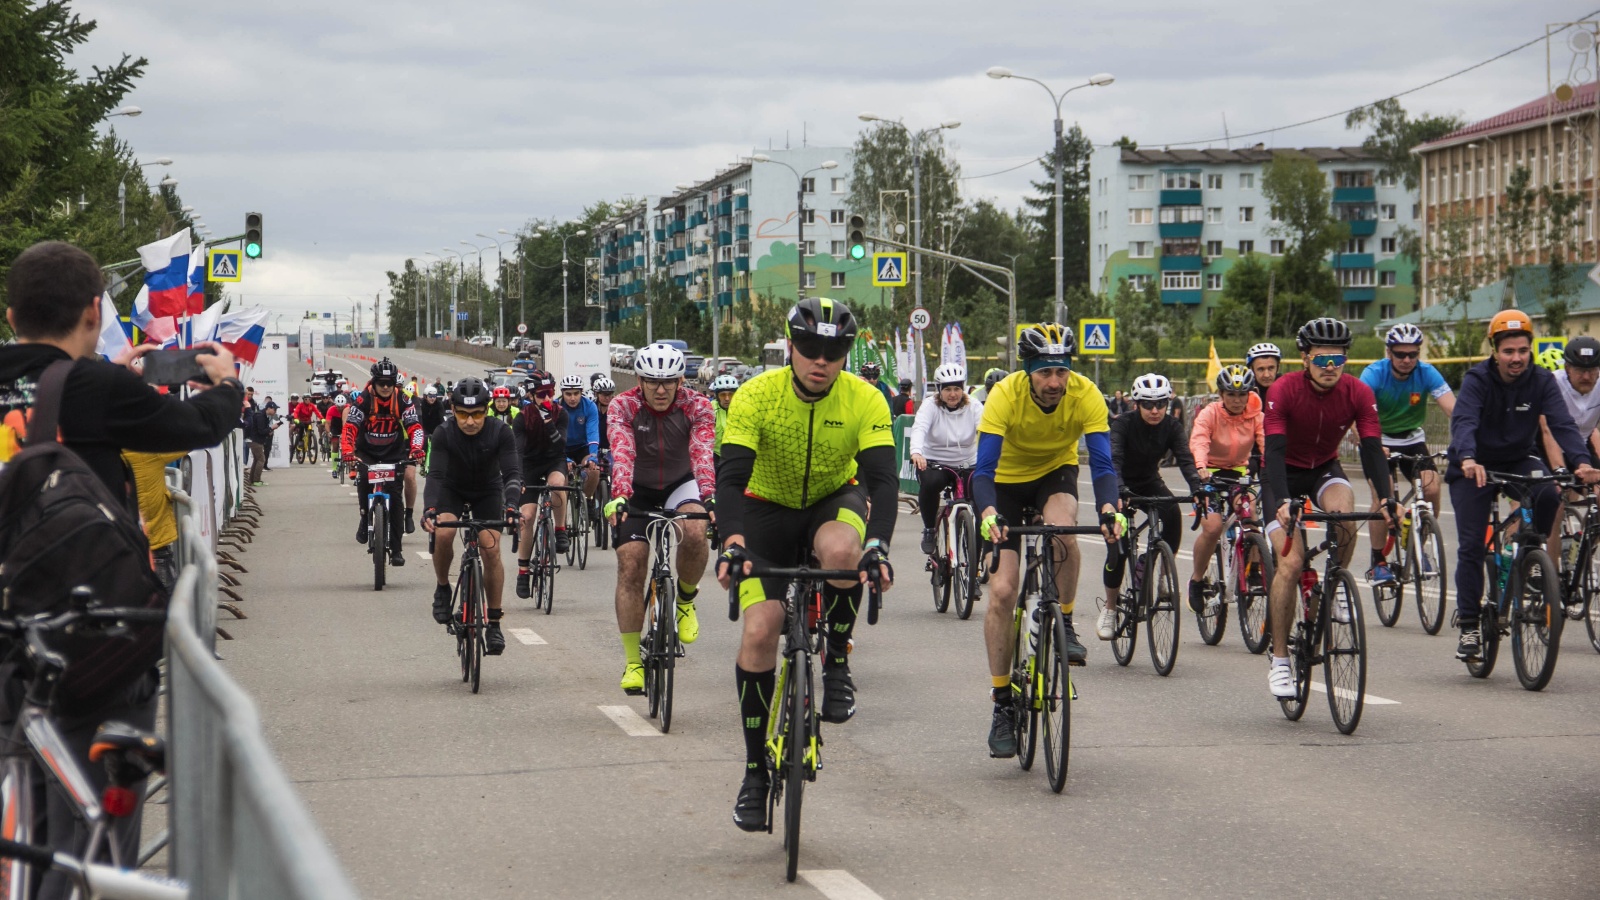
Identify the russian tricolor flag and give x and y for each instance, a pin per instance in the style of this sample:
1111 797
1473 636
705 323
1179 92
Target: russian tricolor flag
168 264
242 332
154 328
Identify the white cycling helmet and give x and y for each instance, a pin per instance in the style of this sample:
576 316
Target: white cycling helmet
571 383
659 361
1152 387
604 385
950 373
340 400
1404 333
724 383
430 391
1260 350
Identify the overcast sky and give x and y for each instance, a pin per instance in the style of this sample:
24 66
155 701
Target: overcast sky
370 131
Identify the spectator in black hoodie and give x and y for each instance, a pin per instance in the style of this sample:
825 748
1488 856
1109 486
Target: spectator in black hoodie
53 292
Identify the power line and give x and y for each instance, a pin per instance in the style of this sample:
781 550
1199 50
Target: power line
1030 162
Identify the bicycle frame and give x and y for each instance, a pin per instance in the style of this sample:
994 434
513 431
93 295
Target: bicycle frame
1136 613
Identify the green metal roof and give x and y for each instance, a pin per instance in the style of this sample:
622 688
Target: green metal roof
1532 284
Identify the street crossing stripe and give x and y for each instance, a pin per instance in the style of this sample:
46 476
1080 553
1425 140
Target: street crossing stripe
837 884
630 721
527 636
425 555
1371 699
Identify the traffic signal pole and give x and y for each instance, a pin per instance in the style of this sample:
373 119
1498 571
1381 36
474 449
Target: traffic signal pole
970 265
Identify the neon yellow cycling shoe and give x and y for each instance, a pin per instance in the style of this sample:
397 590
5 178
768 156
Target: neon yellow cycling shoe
688 623
633 679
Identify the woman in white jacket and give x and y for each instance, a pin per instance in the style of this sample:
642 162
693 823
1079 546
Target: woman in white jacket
944 434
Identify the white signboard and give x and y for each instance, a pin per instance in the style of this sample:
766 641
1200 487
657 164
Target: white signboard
319 358
580 353
270 377
305 342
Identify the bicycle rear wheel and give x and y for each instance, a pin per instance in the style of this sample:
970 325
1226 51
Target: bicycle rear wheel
574 522
1386 599
1344 652
580 539
1213 617
1253 580
377 540
1428 567
1055 696
475 632
1489 650
1125 636
602 524
1537 619
796 750
1161 604
1302 644
966 562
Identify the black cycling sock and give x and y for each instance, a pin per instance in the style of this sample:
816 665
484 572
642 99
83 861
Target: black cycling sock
755 699
840 606
495 614
1377 557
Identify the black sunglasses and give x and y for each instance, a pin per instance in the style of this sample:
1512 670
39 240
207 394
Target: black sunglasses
812 347
1152 404
1397 354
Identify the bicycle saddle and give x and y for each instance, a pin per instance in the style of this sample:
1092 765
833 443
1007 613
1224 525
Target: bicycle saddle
140 750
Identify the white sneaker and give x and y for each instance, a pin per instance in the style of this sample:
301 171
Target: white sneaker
1280 680
1341 609
1106 628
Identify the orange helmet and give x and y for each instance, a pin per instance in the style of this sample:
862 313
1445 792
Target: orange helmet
1509 322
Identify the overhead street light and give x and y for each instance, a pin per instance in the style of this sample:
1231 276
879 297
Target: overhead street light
579 233
158 161
129 111
917 143
169 182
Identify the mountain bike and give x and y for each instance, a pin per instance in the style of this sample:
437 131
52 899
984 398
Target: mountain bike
1579 561
953 567
659 647
793 740
1242 565
1040 681
39 754
602 524
304 449
1151 596
383 514
1327 628
1417 553
542 561
469 609
1522 593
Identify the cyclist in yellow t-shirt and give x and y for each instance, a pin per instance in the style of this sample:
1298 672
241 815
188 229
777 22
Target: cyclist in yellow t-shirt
803 451
1028 459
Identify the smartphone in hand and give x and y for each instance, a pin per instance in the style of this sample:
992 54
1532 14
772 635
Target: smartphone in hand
175 368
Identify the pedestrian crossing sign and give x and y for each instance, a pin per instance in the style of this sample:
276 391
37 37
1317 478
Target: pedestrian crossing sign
889 270
1555 343
1097 337
223 265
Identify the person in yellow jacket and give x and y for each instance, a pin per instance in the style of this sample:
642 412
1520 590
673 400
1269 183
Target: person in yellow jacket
155 507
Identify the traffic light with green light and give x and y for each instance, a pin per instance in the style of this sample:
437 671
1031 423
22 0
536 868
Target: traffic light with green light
252 235
858 237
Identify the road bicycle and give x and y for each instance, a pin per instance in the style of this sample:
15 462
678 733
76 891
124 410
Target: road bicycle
40 755
659 647
1328 627
383 514
1040 680
1241 567
953 567
1151 597
1522 593
469 609
1579 561
542 561
602 523
794 741
1416 553
578 518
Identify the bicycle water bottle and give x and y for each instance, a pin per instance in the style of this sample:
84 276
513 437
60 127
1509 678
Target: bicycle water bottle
1138 570
1308 588
1507 553
1405 531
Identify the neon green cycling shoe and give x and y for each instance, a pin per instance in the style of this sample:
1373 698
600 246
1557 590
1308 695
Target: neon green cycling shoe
633 679
688 623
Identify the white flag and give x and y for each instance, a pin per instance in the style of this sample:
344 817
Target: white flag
958 346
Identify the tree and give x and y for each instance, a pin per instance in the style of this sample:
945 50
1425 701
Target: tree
1453 271
1394 134
1515 225
990 234
1301 203
1037 276
882 161
1558 235
1241 313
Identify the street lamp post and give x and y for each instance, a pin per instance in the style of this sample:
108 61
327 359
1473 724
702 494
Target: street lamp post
478 289
716 314
800 217
1101 80
499 279
122 190
579 233
455 290
916 189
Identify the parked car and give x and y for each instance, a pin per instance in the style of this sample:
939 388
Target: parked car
691 366
714 366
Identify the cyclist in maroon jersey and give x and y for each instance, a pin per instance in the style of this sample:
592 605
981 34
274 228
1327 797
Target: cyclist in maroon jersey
1307 415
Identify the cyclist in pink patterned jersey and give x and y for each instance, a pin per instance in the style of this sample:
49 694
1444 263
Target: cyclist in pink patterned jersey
661 441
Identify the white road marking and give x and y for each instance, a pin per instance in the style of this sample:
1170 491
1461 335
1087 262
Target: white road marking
425 555
837 884
1372 699
527 636
355 493
630 721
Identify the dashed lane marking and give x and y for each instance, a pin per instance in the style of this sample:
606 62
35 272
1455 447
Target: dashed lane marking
1372 699
425 555
631 722
527 636
837 884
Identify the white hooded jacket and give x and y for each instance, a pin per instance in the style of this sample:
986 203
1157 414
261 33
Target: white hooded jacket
947 437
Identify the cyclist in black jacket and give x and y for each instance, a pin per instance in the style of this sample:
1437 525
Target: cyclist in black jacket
541 433
1139 441
473 472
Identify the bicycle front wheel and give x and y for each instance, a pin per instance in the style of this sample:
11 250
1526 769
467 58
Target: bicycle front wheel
966 562
1025 716
1537 618
797 752
544 550
1302 643
1213 617
574 523
650 646
939 573
1161 604
1253 580
460 617
475 632
1344 651
1055 690
378 540
1428 565
602 524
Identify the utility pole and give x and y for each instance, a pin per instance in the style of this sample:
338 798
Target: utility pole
375 320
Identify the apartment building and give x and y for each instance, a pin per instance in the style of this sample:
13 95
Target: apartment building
624 248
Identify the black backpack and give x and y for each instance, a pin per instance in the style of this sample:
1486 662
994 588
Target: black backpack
61 528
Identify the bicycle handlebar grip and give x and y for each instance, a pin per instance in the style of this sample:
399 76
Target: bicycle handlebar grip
874 602
39 857
733 601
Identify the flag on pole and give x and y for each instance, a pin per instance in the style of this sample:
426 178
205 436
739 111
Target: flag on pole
958 345
166 265
203 327
157 329
242 332
113 340
1213 365
197 281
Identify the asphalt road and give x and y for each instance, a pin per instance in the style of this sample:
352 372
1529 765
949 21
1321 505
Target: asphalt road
1193 785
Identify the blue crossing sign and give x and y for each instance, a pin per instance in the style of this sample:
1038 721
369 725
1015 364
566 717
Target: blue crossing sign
1097 337
223 265
1549 343
889 270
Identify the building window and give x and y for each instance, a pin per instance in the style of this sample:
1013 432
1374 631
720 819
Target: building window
1139 282
808 185
1144 216
1213 215
1180 247
1247 213
1213 249
1275 247
1386 310
1140 182
836 279
1386 212
1355 312
1386 180
1359 179
1180 281
835 217
1141 249
1213 182
811 279
836 248
1213 282
1355 245
1351 278
1386 279
1180 181
1247 247
1386 245
837 186
808 216
1173 214
1416 210
1247 181
810 248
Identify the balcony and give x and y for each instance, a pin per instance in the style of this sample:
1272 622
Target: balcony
724 269
725 298
1182 264
741 295
661 235
1180 198
724 239
696 219
1363 227
1360 294
1186 298
742 264
741 202
725 208
674 227
1181 229
1352 260
741 232
1354 195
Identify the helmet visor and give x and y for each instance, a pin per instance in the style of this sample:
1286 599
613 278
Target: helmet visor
813 347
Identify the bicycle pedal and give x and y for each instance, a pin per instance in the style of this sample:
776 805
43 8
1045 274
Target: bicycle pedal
1077 663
